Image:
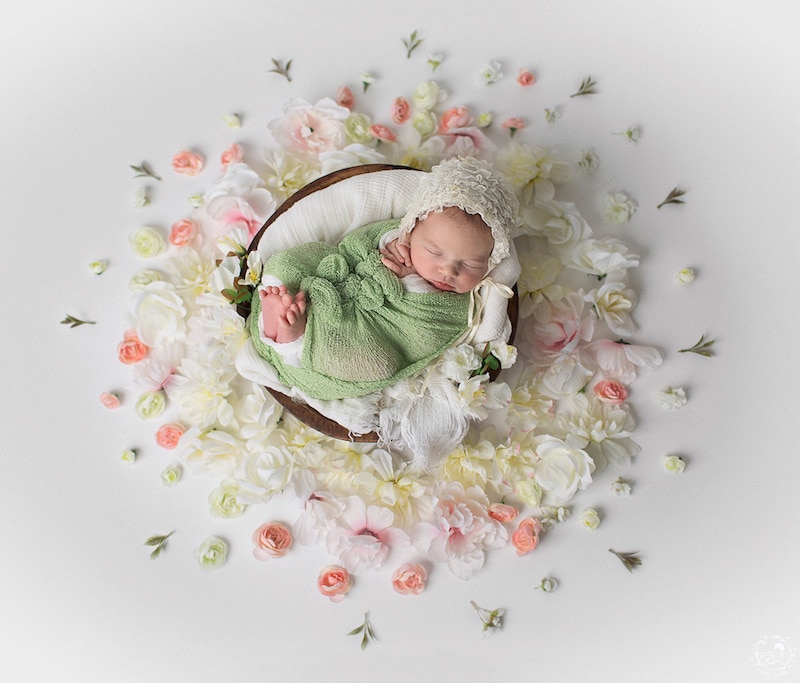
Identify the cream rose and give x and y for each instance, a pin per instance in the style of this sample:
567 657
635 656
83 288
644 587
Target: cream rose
147 241
212 553
561 470
160 313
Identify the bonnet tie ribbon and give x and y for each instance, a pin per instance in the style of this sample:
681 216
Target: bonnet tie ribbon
477 304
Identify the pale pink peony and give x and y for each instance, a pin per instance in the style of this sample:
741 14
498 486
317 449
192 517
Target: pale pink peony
382 133
560 336
620 359
334 583
526 537
457 117
182 232
463 530
233 155
470 141
610 391
409 579
187 163
344 97
169 435
230 213
272 540
502 512
310 130
401 110
109 400
525 77
131 349
364 535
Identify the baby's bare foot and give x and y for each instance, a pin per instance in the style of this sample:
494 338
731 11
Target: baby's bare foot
292 323
272 309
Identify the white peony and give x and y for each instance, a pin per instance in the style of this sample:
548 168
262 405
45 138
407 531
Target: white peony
265 472
561 470
613 301
459 362
201 391
159 313
603 258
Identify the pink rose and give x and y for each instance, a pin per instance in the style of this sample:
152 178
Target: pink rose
514 124
271 540
232 155
502 512
409 579
401 110
334 583
344 97
110 401
525 77
182 232
457 117
131 349
168 435
526 537
610 391
382 132
187 163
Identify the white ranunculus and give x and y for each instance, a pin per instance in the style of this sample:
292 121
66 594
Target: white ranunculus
685 276
143 278
159 313
618 208
223 501
424 122
147 241
428 95
265 473
561 470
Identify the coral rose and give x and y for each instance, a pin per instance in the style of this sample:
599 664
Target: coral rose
131 349
334 583
401 110
271 540
502 512
344 97
610 391
457 117
526 537
109 400
409 579
525 77
182 232
187 163
382 133
169 435
233 155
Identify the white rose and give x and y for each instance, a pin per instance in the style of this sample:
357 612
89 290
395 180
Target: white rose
424 122
147 241
458 362
428 95
685 276
618 208
674 464
159 313
590 519
561 470
672 398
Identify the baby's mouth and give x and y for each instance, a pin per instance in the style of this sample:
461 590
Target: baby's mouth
443 286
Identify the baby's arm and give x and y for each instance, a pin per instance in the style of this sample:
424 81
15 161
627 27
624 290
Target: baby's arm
396 256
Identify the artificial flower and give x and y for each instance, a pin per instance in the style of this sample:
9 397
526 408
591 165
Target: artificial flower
287 173
590 518
223 501
150 404
357 128
672 398
503 512
401 110
109 400
232 121
484 119
531 167
320 510
171 475
547 585
618 208
685 276
334 583
233 154
212 450
140 198
196 200
456 117
345 98
620 359
128 456
588 161
409 579
382 133
310 129
367 79
98 267
525 77
424 122
613 302
202 391
147 241
491 73
142 278
160 314
352 155
266 471
526 537
168 435
434 60
131 349
271 540
427 96
212 553
621 488
552 115
604 258
561 470
569 325
492 620
560 222
674 464
188 163
182 232
513 125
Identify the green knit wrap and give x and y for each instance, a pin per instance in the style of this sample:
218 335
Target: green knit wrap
363 330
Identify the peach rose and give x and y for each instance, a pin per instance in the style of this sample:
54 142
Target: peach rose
525 77
131 349
110 401
187 163
271 540
382 133
182 232
514 124
526 537
344 97
168 435
457 117
334 583
409 579
610 391
502 512
232 155
401 110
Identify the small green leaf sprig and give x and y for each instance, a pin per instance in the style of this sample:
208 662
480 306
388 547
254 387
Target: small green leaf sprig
587 88
629 560
674 197
489 361
144 171
702 347
411 43
158 543
72 321
281 69
367 634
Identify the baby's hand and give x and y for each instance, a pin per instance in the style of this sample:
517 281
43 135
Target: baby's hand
396 256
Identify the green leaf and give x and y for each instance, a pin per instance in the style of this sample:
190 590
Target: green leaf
143 171
673 197
587 88
72 321
629 560
701 347
281 69
411 43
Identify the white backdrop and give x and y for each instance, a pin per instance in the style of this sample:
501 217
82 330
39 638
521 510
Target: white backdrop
92 87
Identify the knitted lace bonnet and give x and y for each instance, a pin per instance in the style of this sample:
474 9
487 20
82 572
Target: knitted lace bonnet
473 186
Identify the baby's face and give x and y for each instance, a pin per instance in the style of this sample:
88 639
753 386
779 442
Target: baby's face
451 250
